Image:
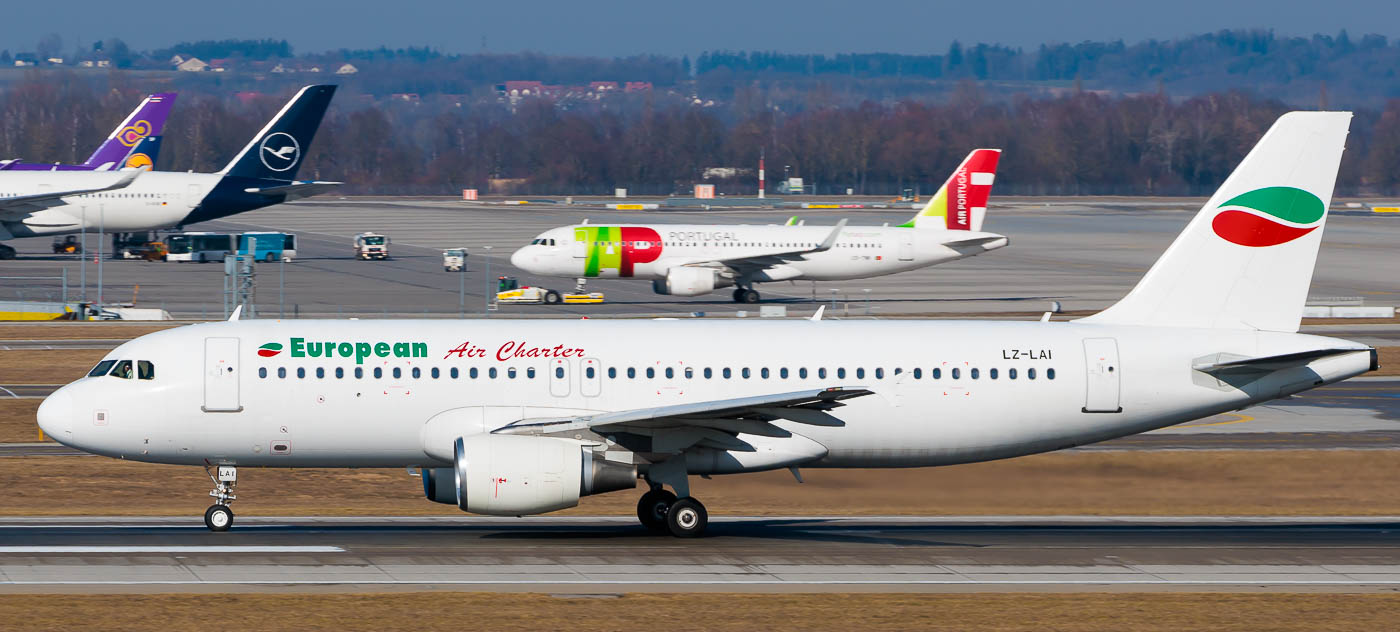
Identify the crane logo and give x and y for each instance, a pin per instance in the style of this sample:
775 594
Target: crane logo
132 134
279 151
270 349
1268 217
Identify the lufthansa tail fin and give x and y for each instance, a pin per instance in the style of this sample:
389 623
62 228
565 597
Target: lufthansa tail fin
1246 260
143 155
961 203
148 119
277 151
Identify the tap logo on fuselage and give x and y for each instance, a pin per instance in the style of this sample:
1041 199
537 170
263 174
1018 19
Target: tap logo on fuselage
1268 217
618 248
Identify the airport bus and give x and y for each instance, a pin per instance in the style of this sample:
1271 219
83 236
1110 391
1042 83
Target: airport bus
268 247
201 247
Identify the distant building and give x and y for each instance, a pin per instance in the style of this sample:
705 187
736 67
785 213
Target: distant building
26 59
219 65
86 63
346 69
104 63
638 86
602 86
247 97
177 60
193 64
410 97
279 68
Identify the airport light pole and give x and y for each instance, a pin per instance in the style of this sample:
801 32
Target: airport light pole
101 232
487 297
462 288
82 256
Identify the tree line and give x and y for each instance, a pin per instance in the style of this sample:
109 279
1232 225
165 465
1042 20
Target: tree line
1081 143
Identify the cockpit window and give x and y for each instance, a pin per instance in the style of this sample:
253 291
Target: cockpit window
102 368
122 370
145 370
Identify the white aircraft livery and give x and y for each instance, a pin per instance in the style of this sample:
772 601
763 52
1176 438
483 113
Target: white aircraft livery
691 260
515 417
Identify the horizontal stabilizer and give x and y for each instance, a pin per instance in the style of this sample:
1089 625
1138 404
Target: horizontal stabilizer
296 190
1270 363
974 242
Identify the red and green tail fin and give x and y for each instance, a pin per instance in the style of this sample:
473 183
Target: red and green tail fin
961 203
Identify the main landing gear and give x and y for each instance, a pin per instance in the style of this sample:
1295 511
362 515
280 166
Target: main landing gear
660 511
218 517
742 295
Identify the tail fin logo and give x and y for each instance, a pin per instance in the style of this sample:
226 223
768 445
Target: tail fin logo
1268 217
280 151
270 349
132 134
137 161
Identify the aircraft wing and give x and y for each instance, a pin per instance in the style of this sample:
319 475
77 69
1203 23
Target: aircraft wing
768 260
20 205
712 423
296 190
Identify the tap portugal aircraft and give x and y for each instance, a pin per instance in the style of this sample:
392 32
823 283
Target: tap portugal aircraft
515 417
38 203
691 260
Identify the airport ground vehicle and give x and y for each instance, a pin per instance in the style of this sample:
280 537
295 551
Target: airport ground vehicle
268 247
143 244
509 290
512 417
67 245
202 247
371 246
454 259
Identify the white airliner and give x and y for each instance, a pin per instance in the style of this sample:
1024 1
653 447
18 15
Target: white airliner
514 417
690 260
38 203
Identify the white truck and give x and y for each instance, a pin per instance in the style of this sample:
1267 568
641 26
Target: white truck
454 259
371 246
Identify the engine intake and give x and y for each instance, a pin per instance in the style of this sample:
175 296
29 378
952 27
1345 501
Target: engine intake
689 281
512 475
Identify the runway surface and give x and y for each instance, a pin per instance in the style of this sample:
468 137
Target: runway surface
743 554
1081 252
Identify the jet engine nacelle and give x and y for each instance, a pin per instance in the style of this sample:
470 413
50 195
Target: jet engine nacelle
514 475
689 281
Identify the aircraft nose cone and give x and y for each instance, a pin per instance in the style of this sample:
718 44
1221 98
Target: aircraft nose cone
56 415
521 259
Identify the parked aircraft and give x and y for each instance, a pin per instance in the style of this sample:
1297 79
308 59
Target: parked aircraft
514 417
120 150
691 260
37 203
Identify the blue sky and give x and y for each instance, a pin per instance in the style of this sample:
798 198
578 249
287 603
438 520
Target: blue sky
623 27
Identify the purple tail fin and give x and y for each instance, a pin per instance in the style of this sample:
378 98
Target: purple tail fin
147 120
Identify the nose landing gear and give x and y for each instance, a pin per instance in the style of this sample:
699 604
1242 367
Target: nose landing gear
219 517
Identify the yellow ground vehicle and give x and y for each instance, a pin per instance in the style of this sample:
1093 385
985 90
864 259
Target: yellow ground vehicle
509 290
67 245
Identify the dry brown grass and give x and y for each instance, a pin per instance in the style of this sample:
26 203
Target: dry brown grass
1390 361
453 612
80 329
47 366
1247 482
17 424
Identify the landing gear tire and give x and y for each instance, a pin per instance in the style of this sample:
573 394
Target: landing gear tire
551 297
738 295
687 518
748 296
653 507
218 518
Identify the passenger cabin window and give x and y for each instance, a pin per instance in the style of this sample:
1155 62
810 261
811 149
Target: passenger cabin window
1049 374
975 373
301 373
262 372
841 373
339 373
957 374
453 373
359 373
530 373
282 372
936 373
102 368
378 373
727 373
416 373
320 373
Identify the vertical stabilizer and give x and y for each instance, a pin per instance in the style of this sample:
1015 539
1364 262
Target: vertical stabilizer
278 150
1246 260
148 119
961 203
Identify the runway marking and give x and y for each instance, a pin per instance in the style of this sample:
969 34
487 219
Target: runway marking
171 549
1242 419
721 582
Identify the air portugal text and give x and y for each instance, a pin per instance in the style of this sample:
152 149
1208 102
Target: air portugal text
358 350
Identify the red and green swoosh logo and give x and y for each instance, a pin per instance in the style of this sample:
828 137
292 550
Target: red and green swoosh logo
270 349
1268 217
